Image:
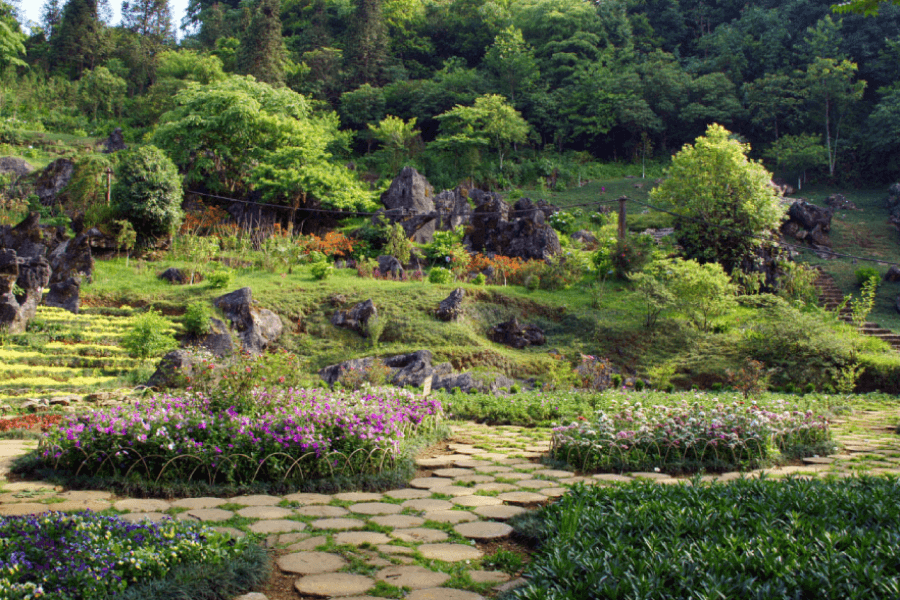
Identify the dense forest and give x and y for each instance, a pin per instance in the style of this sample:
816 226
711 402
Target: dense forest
503 92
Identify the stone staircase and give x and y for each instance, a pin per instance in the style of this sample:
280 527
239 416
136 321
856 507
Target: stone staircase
830 297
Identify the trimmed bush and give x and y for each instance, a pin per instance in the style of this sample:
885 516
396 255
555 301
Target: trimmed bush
150 335
440 275
148 191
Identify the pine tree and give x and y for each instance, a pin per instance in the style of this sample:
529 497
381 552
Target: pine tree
261 52
148 17
368 43
51 16
80 40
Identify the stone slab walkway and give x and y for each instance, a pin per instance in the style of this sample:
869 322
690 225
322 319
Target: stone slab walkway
435 534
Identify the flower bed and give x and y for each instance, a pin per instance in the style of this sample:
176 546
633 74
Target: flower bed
745 540
291 435
85 555
688 437
29 422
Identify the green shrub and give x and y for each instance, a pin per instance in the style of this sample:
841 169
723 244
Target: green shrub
532 283
479 279
320 270
220 278
440 275
615 380
863 274
748 539
639 385
150 335
196 318
148 191
632 254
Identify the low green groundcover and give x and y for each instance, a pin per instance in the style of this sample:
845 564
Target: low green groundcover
86 555
749 539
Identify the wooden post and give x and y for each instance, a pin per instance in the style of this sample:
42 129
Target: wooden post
108 184
622 201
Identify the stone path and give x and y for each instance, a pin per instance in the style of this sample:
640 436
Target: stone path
434 534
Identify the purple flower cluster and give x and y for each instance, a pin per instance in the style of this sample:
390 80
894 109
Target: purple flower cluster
633 436
293 432
87 555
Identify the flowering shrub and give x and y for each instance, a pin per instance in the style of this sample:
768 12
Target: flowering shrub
294 434
687 437
85 555
28 422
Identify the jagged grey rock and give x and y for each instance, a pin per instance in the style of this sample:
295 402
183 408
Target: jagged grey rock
356 318
450 307
255 327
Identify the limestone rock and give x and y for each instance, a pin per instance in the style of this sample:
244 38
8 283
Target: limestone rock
510 333
172 370
115 142
218 340
51 181
65 294
389 264
173 275
16 167
521 232
451 307
893 275
256 327
357 318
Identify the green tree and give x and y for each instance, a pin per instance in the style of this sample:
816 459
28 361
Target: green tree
772 99
510 61
397 137
11 42
368 42
797 153
490 120
148 192
832 90
362 106
700 292
884 125
80 41
865 7
261 52
725 199
101 93
151 18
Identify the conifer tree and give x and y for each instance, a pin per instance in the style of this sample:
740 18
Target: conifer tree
148 17
368 43
261 52
80 40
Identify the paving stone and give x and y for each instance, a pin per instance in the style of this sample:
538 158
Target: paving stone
818 460
450 516
498 513
483 530
340 524
555 473
453 472
408 494
442 594
511 585
453 490
358 497
22 508
377 561
450 552
333 584
489 468
192 503
488 576
426 483
514 476
142 505
318 510
291 538
465 449
79 505
419 534
30 486
252 596
529 466
207 515
611 477
137 517
398 521
391 549
554 492
470 463
427 504
536 484
376 508
305 499
362 598
490 456
80 495
310 563
495 487
474 479
649 475
265 512
357 538
574 480
521 497
413 577
277 526
478 500
308 544
235 533
255 500
438 461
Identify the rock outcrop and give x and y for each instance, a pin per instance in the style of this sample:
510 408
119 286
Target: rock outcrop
115 142
356 318
450 307
17 167
810 224
511 333
255 327
51 181
519 231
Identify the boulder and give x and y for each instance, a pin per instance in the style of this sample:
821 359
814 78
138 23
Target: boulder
28 238
466 382
410 201
893 275
809 216
588 240
511 333
22 282
51 181
256 327
115 142
410 369
172 370
173 275
839 202
453 208
389 264
17 167
332 373
450 307
65 294
218 340
782 187
356 318
520 232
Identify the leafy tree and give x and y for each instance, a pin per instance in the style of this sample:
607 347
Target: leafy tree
510 61
491 121
772 99
148 192
148 18
363 106
261 52
11 43
866 7
81 40
725 200
368 43
101 93
397 137
51 16
700 292
831 88
797 153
